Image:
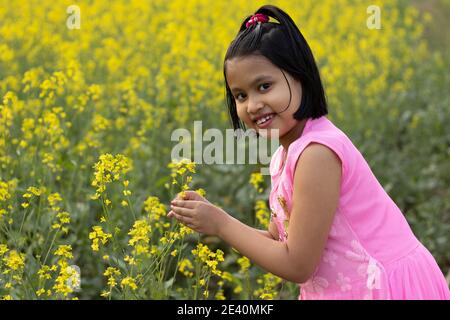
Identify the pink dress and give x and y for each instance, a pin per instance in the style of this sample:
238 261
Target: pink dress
371 252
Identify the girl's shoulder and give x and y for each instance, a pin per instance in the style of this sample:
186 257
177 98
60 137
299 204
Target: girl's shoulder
320 131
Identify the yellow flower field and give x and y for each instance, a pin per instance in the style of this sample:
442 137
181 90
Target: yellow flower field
86 116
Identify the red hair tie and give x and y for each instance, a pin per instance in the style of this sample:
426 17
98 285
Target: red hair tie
259 17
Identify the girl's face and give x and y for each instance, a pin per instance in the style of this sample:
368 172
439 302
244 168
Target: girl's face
259 88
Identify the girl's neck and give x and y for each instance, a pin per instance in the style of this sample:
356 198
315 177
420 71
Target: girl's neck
292 134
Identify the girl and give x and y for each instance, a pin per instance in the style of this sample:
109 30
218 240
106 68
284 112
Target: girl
334 230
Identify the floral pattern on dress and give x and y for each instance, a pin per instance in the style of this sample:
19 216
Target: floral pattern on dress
368 267
373 275
330 257
316 285
343 282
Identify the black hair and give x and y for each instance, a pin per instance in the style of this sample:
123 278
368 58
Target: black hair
284 45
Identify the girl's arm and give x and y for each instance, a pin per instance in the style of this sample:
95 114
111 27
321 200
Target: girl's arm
316 192
271 232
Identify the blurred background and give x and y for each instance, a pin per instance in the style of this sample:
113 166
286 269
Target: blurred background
135 71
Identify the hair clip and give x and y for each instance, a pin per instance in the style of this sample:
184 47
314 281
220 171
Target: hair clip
259 17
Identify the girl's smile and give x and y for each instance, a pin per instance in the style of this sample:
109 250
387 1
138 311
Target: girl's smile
265 120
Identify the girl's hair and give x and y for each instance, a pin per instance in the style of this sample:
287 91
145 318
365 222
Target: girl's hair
284 45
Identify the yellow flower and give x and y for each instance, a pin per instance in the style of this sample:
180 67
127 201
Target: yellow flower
64 251
40 292
244 264
109 167
256 179
154 208
36 191
3 249
64 219
237 289
44 273
201 192
105 294
97 236
209 258
14 260
128 282
182 168
131 260
219 295
140 236
186 267
268 289
54 198
262 213
67 279
110 271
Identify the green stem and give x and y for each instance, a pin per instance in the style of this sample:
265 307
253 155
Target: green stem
51 245
176 266
23 220
131 208
110 227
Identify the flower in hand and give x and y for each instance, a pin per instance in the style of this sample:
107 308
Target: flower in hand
197 213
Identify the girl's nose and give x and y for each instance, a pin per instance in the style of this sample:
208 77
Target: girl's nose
254 106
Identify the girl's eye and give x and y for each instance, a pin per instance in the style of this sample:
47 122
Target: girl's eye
264 84
237 96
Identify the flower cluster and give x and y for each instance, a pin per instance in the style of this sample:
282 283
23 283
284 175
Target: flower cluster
209 258
257 181
269 286
109 168
140 237
262 213
180 173
98 235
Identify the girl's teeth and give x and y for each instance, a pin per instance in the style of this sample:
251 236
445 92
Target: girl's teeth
261 121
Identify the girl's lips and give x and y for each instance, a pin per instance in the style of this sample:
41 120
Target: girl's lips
267 123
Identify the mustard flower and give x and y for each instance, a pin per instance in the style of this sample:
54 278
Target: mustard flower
128 282
14 260
262 213
244 264
256 180
97 236
64 251
109 168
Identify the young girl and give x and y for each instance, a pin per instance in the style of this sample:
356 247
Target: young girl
334 230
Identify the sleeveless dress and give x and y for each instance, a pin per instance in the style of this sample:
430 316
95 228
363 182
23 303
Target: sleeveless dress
371 252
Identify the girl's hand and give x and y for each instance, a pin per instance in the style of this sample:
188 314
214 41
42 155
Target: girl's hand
191 195
199 215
